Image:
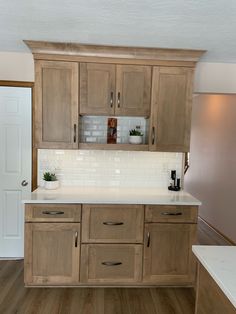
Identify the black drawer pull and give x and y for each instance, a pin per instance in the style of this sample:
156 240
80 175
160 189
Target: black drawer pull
112 223
53 212
172 214
111 263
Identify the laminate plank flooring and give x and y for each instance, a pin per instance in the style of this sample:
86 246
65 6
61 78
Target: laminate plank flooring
16 299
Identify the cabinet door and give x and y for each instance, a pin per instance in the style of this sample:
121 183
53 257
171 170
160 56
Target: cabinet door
56 104
171 109
133 90
167 253
97 88
52 253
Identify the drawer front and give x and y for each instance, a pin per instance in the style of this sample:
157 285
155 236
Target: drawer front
52 212
171 213
106 263
112 223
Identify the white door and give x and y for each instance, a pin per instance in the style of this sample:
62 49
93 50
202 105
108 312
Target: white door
15 167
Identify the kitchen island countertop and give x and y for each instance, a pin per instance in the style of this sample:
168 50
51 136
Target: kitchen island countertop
111 195
220 263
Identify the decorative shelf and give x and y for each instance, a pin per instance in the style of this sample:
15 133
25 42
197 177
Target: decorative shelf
131 147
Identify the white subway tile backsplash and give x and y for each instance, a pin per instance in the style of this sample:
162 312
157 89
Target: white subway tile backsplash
109 168
96 127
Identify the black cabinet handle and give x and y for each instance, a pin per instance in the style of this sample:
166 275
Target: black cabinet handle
53 212
118 100
153 135
76 239
111 100
171 214
74 133
111 263
112 223
148 239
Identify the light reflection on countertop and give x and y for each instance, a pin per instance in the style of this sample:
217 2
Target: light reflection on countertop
111 195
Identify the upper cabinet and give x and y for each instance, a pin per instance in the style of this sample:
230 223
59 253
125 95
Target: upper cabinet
73 80
171 109
97 88
56 104
121 90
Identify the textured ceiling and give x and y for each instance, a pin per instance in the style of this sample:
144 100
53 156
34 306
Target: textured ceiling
199 24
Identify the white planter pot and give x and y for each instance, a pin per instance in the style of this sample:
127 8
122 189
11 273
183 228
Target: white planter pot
51 185
135 139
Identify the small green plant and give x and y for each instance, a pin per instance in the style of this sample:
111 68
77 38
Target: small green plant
135 132
49 176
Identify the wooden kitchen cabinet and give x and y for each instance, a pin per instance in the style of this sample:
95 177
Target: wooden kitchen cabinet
112 223
52 253
113 81
111 263
97 88
121 90
56 104
209 296
171 109
167 253
126 244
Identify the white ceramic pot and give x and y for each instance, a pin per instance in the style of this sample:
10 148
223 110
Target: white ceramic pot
51 185
135 139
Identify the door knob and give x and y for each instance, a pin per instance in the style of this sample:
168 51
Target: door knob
24 183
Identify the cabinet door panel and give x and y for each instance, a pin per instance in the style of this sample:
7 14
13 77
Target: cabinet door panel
111 263
168 258
97 88
112 223
52 253
56 99
171 109
133 90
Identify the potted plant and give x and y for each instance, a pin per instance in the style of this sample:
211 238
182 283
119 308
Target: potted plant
135 137
51 182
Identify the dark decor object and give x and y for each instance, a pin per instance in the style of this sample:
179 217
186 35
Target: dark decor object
111 130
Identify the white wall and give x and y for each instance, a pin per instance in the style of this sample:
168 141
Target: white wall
16 66
212 172
209 77
215 78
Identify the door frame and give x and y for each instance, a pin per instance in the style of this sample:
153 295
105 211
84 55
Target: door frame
34 150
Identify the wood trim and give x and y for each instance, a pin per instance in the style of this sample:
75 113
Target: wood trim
102 51
60 57
16 84
217 231
129 147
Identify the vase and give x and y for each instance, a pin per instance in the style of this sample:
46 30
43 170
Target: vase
135 139
51 185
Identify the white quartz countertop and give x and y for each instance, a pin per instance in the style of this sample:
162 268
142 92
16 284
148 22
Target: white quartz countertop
220 262
96 195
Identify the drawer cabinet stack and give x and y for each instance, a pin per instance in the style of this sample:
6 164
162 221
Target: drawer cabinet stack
107 245
170 232
112 238
52 244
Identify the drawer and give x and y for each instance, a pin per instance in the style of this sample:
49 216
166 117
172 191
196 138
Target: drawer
112 223
171 213
111 263
53 212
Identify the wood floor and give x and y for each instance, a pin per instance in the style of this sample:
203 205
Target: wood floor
14 298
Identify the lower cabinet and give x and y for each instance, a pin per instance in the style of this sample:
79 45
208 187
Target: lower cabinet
167 253
52 253
111 263
110 245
